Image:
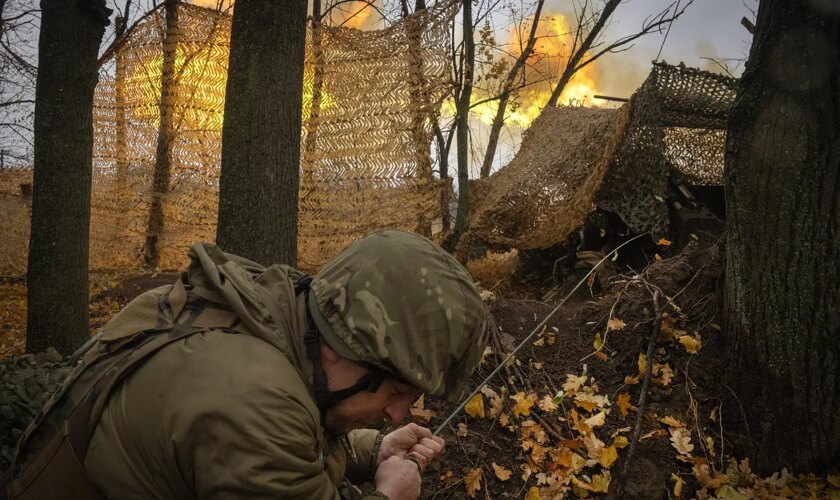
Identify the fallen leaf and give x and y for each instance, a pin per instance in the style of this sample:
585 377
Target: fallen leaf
501 473
533 494
657 256
523 404
504 419
608 456
623 403
446 476
654 434
620 442
600 355
419 413
599 342
538 365
681 440
475 406
628 380
547 404
539 342
462 430
691 344
667 374
671 421
727 492
497 402
615 324
596 420
642 364
678 485
473 481
573 384
663 242
834 479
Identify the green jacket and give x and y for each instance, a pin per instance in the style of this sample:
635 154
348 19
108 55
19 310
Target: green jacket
228 413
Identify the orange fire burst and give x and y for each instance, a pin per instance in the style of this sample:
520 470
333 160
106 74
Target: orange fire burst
554 42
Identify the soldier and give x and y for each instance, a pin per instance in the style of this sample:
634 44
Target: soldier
241 381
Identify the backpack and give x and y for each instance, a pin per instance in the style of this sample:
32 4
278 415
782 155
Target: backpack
51 452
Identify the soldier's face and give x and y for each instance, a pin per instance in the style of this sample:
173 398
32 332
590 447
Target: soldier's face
389 404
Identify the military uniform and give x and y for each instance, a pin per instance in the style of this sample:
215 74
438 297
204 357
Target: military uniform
229 410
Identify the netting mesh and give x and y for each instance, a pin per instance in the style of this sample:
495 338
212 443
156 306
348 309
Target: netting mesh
678 125
369 100
573 159
547 189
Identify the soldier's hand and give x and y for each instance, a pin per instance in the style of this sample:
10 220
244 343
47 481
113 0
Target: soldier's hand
398 479
411 440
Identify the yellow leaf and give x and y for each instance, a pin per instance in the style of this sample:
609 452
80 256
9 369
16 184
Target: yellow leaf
539 342
578 463
608 456
628 380
523 404
501 473
473 481
601 482
678 485
533 494
599 343
623 403
596 420
657 256
602 232
704 477
681 440
615 324
446 476
620 442
691 344
642 364
475 406
671 421
573 384
663 242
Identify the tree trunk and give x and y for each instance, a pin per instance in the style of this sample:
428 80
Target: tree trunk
463 131
783 245
57 279
258 199
166 137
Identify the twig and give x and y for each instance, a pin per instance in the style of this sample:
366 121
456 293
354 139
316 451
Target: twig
530 336
657 323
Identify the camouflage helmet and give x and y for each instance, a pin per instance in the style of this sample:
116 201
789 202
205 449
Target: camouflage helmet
399 302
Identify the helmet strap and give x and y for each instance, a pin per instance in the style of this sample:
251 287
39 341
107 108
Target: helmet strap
370 381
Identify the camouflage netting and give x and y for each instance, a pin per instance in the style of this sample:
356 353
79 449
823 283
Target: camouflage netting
573 159
546 190
369 99
678 125
26 382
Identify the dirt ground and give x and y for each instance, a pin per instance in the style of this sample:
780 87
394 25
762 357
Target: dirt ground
560 421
